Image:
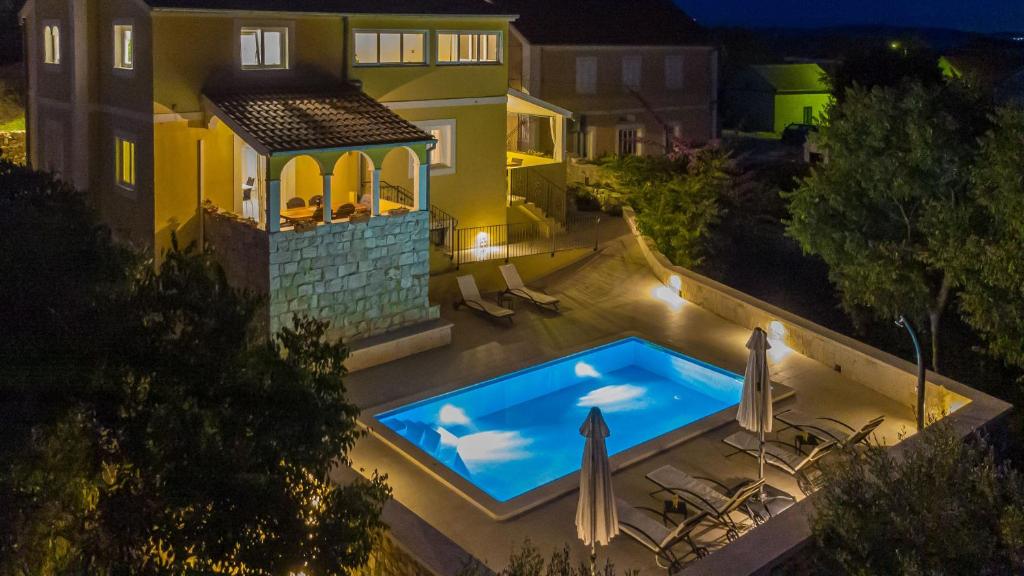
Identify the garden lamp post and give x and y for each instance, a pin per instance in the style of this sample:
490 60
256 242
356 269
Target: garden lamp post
902 322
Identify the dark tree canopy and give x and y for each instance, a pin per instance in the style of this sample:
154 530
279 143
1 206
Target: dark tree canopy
185 440
886 65
888 210
992 296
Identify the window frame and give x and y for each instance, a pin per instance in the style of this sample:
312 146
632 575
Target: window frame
287 54
56 50
119 26
121 138
681 60
638 134
450 124
627 61
401 47
499 46
593 82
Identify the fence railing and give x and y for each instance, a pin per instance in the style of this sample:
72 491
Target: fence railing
507 241
442 224
534 188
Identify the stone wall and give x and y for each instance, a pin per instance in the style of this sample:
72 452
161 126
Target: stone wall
12 146
366 278
242 250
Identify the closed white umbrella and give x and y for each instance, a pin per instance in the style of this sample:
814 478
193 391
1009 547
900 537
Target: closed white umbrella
755 411
597 521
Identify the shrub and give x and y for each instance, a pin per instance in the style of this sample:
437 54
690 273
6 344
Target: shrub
946 508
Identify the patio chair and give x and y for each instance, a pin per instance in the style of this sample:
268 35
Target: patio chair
782 455
825 428
472 299
708 495
295 203
516 287
316 200
657 537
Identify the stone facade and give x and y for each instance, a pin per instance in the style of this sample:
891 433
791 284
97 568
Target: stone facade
366 278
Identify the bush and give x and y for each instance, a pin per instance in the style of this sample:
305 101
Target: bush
677 199
946 508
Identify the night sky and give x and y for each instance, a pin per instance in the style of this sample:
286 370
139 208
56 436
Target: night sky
973 15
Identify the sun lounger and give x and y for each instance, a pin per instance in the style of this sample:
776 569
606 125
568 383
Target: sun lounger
657 537
825 428
471 298
716 499
779 454
516 287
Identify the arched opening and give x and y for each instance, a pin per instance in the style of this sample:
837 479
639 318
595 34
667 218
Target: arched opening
351 184
302 187
399 177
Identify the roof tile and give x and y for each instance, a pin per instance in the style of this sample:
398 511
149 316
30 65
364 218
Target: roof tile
293 120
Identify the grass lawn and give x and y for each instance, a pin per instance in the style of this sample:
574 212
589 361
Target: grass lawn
16 125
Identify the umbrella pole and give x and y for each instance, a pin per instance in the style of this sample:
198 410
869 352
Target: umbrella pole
760 430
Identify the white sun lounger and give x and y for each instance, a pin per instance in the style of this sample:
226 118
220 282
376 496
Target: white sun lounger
471 298
657 537
516 287
779 454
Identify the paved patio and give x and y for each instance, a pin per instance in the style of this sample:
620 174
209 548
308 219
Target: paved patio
605 296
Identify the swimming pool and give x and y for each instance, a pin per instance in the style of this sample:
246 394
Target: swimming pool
512 434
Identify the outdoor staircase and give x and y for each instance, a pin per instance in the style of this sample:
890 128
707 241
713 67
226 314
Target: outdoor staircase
439 443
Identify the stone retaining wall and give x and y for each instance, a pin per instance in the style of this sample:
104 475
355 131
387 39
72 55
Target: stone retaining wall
882 372
12 146
366 278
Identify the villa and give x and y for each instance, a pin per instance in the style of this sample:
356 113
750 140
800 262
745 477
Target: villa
348 159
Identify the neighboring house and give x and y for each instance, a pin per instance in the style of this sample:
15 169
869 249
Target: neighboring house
634 74
767 98
999 71
227 124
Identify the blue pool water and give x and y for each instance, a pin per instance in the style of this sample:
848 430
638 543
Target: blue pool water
514 433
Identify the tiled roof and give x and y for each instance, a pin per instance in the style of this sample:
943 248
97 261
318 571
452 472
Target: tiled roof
604 22
464 7
292 120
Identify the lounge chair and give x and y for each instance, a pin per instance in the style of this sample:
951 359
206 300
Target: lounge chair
657 537
472 299
708 495
824 428
782 455
516 287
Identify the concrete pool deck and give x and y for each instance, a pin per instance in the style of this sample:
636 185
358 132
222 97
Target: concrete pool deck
609 295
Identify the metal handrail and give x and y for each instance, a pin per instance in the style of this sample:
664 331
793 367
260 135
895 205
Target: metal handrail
442 224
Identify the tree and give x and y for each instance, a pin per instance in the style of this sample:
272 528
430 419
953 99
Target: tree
992 298
676 198
188 441
889 210
946 507
887 65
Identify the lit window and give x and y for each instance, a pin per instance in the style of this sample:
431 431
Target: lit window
631 66
468 47
586 75
442 157
124 47
390 47
674 72
125 162
51 44
628 141
264 48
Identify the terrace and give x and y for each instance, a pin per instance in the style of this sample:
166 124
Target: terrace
605 297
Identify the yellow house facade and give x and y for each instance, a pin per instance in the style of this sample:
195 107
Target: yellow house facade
322 148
